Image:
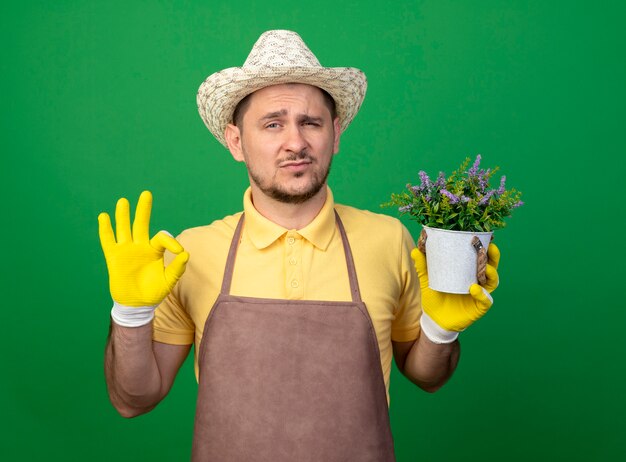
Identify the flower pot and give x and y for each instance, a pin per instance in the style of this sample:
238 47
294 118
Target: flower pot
452 259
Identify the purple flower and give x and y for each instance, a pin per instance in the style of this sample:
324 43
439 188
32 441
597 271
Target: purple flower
427 198
486 197
441 180
465 199
517 204
424 178
483 179
415 189
453 199
501 188
472 171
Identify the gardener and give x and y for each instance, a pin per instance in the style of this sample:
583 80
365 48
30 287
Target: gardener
296 305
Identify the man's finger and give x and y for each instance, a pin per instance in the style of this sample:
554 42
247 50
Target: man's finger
122 221
493 255
141 225
164 241
482 297
176 268
492 278
420 266
105 231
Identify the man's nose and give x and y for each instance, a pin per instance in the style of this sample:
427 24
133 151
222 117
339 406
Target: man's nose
294 139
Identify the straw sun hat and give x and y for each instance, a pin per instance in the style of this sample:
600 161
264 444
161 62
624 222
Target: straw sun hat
278 56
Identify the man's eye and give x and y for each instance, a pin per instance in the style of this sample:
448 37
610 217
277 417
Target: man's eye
272 125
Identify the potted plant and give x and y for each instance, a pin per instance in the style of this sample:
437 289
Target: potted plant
458 214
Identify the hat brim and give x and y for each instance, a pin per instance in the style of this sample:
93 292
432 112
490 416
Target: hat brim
220 93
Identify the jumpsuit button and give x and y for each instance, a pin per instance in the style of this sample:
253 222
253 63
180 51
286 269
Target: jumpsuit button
294 284
292 261
290 240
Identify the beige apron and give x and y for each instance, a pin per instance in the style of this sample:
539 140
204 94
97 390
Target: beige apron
290 380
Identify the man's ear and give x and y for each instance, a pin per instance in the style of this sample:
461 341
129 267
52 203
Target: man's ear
337 129
232 134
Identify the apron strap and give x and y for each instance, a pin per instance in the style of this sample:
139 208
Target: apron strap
230 261
354 282
232 253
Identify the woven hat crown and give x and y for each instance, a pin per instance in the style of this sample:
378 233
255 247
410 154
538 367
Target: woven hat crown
278 56
281 48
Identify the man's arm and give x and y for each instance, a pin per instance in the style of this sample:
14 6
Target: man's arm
431 359
428 365
139 372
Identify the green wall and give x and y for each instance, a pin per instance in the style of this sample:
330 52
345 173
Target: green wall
98 102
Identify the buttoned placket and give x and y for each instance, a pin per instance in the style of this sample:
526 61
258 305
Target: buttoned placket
294 284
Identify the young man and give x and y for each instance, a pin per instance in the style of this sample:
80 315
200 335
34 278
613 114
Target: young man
297 305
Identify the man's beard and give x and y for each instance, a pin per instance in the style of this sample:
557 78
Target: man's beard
276 192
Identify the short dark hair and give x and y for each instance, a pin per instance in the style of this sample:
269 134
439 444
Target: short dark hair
242 106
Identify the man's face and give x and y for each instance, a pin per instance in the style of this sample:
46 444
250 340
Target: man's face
287 141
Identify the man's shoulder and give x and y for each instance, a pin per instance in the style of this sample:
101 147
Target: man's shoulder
215 232
375 238
361 217
370 225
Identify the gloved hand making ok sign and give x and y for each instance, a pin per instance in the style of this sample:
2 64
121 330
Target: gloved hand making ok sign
138 279
445 315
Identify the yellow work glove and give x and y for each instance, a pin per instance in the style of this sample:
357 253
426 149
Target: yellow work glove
138 279
445 315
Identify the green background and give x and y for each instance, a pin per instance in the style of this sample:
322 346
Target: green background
98 102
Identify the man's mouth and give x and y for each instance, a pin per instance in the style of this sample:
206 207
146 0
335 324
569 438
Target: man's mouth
295 163
297 167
